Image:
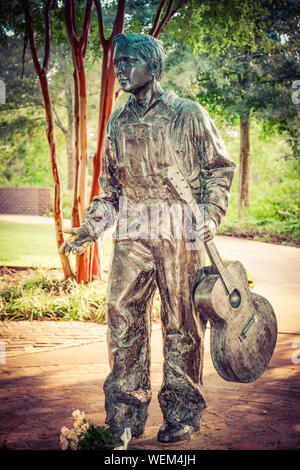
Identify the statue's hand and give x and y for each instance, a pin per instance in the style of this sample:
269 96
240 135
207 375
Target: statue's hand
206 231
76 243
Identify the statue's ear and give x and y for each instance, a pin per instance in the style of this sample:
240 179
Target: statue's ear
154 69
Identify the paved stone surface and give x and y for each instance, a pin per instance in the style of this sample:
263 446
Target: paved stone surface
40 390
40 336
53 368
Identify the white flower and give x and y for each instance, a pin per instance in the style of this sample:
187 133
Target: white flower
85 427
77 414
77 424
64 445
69 435
64 430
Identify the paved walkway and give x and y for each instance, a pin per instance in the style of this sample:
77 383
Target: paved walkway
52 368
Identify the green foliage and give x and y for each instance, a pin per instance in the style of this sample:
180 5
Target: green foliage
213 26
44 298
97 437
274 211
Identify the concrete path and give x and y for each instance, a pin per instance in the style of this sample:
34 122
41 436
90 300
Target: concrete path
52 368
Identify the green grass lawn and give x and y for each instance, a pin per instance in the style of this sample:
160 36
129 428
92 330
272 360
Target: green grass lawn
33 245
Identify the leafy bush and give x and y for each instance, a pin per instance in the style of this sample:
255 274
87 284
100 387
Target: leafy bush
41 297
47 298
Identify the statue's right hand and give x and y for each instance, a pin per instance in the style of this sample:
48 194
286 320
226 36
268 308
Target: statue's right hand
76 243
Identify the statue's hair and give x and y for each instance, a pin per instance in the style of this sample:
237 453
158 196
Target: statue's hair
149 48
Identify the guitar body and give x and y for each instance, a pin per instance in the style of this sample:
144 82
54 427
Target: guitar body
243 324
243 337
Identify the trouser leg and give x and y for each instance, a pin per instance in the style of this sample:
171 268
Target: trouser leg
130 296
181 398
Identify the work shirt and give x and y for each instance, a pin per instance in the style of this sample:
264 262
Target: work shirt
139 149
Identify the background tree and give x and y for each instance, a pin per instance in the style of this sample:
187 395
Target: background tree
253 77
245 85
204 26
41 71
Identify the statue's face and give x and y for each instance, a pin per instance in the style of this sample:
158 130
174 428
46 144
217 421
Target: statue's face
132 70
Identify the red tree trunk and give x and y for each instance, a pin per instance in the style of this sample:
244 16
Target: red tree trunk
75 222
51 136
107 94
79 48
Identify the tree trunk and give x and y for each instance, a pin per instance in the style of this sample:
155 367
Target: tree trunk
70 138
107 94
55 172
51 136
83 270
244 172
79 48
75 215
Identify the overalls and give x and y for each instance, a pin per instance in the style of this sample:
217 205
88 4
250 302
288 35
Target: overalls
173 132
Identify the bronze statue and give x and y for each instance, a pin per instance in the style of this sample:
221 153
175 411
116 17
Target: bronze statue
156 134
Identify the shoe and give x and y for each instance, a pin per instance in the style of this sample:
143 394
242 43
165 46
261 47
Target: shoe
173 432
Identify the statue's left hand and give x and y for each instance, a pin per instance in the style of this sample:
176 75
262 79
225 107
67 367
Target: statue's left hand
206 231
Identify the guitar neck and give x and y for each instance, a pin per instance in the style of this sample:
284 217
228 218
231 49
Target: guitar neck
217 261
177 182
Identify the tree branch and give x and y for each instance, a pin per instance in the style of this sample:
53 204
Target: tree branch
119 19
165 19
47 23
23 54
70 22
100 22
180 5
58 121
157 17
30 34
86 26
168 15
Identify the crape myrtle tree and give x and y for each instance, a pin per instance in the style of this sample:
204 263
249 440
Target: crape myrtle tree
41 70
88 264
91 26
23 97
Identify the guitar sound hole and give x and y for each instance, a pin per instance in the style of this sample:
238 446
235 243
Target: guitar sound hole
235 299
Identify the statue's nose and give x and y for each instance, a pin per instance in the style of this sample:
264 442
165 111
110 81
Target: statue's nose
120 67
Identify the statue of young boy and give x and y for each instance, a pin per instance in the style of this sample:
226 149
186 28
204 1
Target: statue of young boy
153 132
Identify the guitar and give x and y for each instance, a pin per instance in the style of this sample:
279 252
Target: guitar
243 324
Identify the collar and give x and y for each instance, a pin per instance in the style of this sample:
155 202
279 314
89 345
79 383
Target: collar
167 97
